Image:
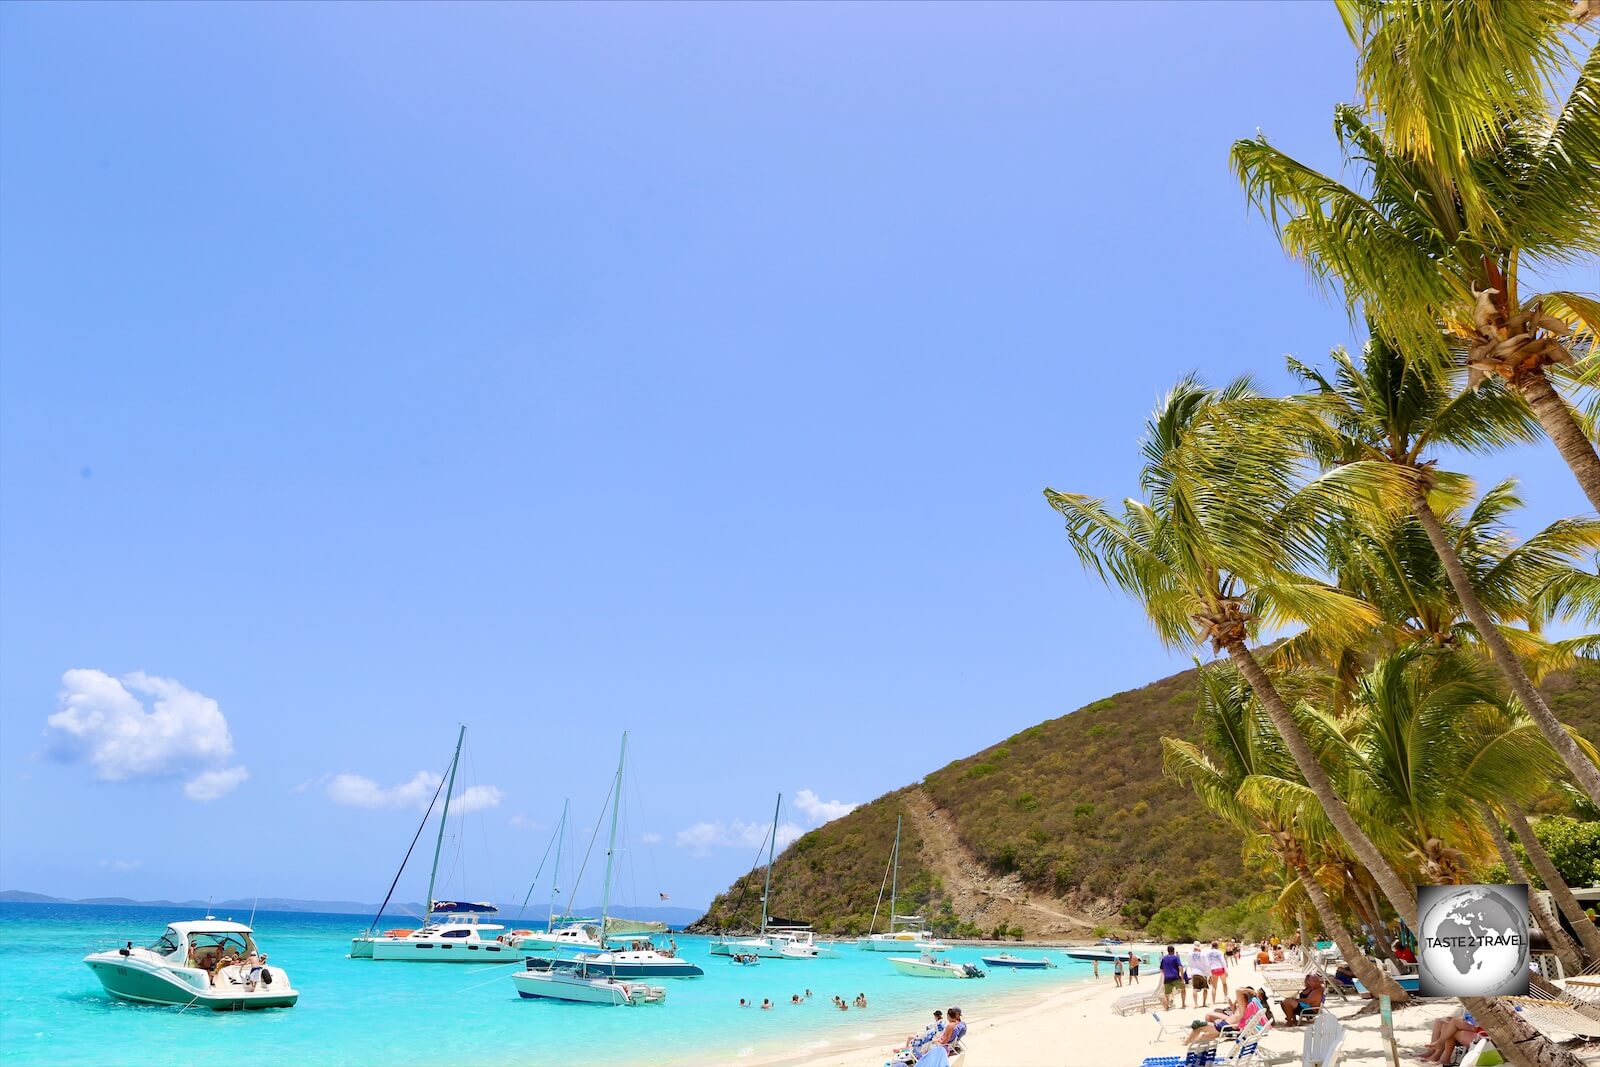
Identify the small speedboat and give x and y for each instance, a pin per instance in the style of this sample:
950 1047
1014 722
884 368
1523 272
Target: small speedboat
1094 955
207 963
1020 963
575 983
927 966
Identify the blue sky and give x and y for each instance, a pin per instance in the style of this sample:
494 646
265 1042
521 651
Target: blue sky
691 369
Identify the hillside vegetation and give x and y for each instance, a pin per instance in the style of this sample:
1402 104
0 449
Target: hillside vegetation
1055 831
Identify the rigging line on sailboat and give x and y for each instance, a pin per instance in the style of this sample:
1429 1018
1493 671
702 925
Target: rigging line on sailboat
533 884
494 967
421 826
744 883
596 833
482 822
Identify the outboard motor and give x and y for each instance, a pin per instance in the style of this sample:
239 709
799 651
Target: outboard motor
973 971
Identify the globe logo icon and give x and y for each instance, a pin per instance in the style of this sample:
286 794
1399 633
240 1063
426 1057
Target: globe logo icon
1474 940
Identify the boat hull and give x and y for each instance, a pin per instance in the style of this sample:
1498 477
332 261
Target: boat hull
1096 956
431 950
643 968
147 985
1018 964
575 989
925 969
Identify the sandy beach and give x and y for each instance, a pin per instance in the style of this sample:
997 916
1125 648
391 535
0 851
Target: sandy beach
1076 1027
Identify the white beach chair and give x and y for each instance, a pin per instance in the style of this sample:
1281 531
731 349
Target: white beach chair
1324 1042
1475 1053
1170 1026
1136 1003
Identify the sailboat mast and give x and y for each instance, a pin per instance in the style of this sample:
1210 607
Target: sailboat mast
555 877
444 816
772 844
611 842
894 886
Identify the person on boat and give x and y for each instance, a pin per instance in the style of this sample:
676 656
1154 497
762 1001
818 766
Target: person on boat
224 959
252 967
861 1000
1307 1002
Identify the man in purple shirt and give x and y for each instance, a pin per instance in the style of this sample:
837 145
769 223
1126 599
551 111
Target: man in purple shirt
1171 976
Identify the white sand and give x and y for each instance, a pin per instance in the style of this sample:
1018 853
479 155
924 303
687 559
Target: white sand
1075 1027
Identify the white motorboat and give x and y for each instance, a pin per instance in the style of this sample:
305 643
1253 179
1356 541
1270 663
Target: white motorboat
575 983
207 963
597 977
779 939
453 930
927 966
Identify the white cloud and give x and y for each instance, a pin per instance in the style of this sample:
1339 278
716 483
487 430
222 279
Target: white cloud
142 726
820 811
209 785
700 838
521 822
121 865
476 798
359 791
650 838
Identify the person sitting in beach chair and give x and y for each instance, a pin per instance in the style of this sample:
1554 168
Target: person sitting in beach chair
947 1044
1345 978
929 1032
1307 1003
1449 1034
1213 1029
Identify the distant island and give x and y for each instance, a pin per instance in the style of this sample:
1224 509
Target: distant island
671 916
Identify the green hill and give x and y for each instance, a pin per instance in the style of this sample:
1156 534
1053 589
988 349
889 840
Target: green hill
1063 827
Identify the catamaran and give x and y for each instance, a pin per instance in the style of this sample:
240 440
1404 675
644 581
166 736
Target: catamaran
905 931
453 930
596 977
778 940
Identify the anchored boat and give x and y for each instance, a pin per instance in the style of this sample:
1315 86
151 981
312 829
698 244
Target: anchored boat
906 932
207 963
593 977
1018 963
452 931
927 966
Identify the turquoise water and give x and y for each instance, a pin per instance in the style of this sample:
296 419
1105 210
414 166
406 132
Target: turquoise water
53 1011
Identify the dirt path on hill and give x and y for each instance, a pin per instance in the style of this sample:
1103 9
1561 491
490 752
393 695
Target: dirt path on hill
978 895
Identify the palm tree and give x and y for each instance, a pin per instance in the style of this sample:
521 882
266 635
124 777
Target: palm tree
1391 411
1553 881
1202 554
1244 746
1445 236
1565 948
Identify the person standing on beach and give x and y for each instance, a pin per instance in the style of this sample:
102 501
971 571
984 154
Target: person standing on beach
1171 977
1199 975
1133 968
1096 965
1116 971
1219 971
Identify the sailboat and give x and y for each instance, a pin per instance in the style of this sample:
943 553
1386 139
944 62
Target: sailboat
905 931
597 977
778 939
452 930
565 932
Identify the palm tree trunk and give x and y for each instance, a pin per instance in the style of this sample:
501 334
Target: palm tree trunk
1558 421
1582 768
1372 976
1588 936
1514 1039
1367 905
1316 776
1564 947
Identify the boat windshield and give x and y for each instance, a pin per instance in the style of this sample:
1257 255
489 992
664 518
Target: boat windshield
167 945
212 945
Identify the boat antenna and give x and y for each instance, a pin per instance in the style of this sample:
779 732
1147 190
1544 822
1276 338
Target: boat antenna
444 817
611 843
772 844
253 904
420 827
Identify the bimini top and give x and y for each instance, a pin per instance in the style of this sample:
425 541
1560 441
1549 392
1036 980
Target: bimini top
210 926
463 907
